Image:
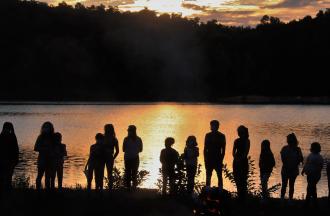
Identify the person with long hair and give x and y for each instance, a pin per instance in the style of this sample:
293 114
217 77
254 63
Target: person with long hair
132 146
45 146
266 165
292 157
9 155
313 168
111 151
190 155
241 164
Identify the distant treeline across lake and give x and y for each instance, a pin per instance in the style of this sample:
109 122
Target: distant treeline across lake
95 53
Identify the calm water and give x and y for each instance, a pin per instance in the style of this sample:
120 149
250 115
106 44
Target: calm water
80 123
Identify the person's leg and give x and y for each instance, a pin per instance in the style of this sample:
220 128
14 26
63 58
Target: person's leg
109 165
60 176
285 180
209 170
308 190
264 184
292 181
128 173
40 174
218 169
191 173
136 164
90 176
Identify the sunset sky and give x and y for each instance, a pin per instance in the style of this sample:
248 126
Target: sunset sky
230 12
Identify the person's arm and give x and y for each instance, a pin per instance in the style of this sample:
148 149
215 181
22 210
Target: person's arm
161 157
301 158
305 166
140 145
124 145
223 148
197 152
247 150
116 149
234 149
37 144
65 153
205 148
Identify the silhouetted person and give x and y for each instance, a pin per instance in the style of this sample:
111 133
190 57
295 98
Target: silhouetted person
95 163
132 146
214 152
191 153
266 165
291 156
111 150
45 146
241 164
169 158
8 156
60 153
313 168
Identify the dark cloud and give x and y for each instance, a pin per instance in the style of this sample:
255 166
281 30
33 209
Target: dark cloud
294 3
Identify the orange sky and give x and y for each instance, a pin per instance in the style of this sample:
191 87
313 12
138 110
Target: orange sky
230 12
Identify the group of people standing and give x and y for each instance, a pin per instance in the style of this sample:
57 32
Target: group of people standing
103 153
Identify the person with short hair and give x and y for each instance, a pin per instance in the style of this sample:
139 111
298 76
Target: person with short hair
169 158
292 157
191 153
313 168
132 146
60 154
214 153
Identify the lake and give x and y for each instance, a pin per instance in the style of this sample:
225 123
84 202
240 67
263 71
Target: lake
79 124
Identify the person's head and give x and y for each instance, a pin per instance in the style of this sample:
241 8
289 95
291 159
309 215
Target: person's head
191 141
58 137
315 148
214 125
243 132
8 128
292 140
99 138
131 131
169 141
47 128
265 146
109 130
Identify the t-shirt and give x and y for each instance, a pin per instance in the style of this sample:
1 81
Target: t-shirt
215 142
132 147
291 158
168 158
190 155
314 164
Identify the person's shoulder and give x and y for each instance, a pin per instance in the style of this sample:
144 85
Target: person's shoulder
284 148
221 134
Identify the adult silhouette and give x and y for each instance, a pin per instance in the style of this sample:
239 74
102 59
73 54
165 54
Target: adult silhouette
45 147
8 156
132 146
291 156
111 150
95 163
266 165
241 164
214 152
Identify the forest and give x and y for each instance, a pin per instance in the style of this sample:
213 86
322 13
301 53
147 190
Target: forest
98 53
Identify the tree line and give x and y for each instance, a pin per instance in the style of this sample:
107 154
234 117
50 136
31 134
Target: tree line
99 53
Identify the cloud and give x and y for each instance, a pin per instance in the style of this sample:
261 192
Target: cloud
294 3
